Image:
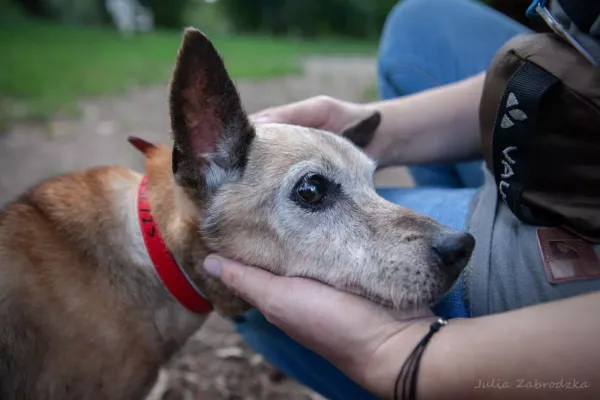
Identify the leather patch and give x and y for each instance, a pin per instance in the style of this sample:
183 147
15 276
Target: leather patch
567 257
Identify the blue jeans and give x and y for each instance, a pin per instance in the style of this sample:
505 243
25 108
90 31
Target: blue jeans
425 43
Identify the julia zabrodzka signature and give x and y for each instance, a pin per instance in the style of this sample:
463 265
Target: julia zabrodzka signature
531 384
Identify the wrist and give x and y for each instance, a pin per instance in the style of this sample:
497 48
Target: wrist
438 378
381 369
438 125
390 139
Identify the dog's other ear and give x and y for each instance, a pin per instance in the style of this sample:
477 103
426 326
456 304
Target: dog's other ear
362 132
211 130
143 146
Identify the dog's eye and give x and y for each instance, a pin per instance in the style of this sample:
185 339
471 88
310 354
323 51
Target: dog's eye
312 189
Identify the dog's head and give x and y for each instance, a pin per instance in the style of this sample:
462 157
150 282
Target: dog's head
299 201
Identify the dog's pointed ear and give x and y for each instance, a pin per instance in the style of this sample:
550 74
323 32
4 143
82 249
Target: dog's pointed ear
361 133
211 130
143 146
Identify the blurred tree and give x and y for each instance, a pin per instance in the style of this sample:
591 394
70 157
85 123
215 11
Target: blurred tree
37 8
308 18
245 15
168 13
305 18
208 17
73 11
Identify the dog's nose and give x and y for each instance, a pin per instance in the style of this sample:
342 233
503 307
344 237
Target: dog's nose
454 249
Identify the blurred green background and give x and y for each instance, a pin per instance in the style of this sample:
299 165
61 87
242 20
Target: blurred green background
53 52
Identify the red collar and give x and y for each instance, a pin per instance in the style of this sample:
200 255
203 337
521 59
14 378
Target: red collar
173 277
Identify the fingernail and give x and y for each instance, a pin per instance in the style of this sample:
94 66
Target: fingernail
212 265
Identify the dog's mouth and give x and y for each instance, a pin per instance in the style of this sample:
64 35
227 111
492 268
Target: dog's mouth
403 303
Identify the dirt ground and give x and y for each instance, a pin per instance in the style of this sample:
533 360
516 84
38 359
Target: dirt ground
216 363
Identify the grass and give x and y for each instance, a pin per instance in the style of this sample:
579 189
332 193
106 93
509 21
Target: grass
46 68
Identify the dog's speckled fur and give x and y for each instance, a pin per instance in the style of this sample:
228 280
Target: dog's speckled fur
83 313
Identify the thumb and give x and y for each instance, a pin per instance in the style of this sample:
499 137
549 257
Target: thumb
251 284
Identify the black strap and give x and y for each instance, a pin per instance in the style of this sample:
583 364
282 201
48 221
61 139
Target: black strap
514 132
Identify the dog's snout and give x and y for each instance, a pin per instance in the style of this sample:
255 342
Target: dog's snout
454 249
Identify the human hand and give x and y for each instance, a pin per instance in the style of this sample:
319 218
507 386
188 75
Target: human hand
357 122
321 112
367 343
358 336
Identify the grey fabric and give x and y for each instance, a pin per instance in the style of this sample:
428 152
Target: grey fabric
506 271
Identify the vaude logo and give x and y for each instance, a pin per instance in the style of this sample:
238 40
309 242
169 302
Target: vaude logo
514 113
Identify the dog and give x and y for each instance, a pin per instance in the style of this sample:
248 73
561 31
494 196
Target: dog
99 276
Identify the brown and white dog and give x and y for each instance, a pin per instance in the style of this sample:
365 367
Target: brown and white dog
98 277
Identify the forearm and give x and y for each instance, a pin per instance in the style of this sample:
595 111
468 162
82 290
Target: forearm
523 354
549 342
437 125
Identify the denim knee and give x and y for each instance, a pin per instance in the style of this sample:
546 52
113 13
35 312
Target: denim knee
428 43
395 44
409 28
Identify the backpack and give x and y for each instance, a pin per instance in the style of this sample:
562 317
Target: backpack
540 120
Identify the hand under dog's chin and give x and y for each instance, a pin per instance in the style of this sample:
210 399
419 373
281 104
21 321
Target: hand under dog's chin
407 303
419 310
399 312
416 313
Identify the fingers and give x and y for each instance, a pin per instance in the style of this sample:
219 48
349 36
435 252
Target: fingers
252 284
313 113
282 300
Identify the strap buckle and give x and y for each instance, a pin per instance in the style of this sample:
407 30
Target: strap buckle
538 8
